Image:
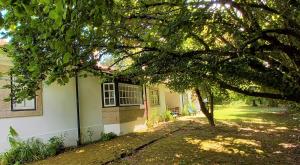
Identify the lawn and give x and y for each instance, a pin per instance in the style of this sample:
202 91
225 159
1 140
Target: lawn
244 135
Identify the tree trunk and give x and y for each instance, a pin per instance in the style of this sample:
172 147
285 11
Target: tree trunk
203 108
254 103
211 99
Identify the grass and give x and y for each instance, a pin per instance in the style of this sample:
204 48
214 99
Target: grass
244 135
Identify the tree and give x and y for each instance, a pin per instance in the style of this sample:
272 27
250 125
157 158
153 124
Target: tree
232 44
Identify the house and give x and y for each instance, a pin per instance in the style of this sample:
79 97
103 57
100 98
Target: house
80 110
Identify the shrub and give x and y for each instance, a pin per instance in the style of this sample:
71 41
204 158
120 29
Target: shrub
56 145
153 119
107 136
30 150
166 116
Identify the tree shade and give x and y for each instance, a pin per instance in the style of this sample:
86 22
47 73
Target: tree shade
245 46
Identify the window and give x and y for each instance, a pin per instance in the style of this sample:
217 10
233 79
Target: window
154 96
109 94
130 94
26 104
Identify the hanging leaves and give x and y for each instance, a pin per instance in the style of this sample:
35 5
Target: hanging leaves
57 14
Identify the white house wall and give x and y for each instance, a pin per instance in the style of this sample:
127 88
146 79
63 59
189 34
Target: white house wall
58 119
155 110
90 108
172 99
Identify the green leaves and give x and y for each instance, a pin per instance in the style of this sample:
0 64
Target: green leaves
12 132
12 137
57 14
182 43
1 20
45 2
67 57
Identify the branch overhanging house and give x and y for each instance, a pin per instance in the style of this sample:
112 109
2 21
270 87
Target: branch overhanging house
83 108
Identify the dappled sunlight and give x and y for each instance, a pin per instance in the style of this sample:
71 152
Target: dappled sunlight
229 145
249 129
288 145
281 128
248 142
230 124
79 151
267 139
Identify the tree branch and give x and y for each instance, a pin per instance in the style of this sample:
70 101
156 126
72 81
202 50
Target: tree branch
257 94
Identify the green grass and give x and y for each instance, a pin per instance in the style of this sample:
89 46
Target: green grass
259 115
244 135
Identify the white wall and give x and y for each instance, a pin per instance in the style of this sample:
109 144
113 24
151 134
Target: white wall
90 108
58 119
133 126
173 99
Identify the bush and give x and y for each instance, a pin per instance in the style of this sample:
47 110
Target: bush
107 136
56 145
30 150
154 117
166 116
293 107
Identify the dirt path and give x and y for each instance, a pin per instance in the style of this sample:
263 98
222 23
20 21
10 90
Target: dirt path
114 150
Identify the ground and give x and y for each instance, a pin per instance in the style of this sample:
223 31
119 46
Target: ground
244 135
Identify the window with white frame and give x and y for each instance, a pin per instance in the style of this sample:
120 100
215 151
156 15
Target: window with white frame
154 96
130 94
26 104
109 94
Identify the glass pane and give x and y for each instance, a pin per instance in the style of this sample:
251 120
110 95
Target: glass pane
106 87
106 102
20 105
111 87
106 94
136 101
112 101
29 104
112 94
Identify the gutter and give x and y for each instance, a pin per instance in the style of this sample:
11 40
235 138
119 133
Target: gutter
146 103
78 110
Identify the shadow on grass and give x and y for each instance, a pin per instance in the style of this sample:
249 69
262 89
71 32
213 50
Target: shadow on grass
251 137
270 140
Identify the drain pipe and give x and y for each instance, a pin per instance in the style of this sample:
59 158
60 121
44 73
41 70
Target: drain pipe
78 110
146 103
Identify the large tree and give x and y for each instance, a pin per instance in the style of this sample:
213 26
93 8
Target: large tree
232 44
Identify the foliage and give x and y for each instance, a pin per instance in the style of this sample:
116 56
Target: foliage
166 116
230 44
153 118
55 145
293 107
30 150
107 136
